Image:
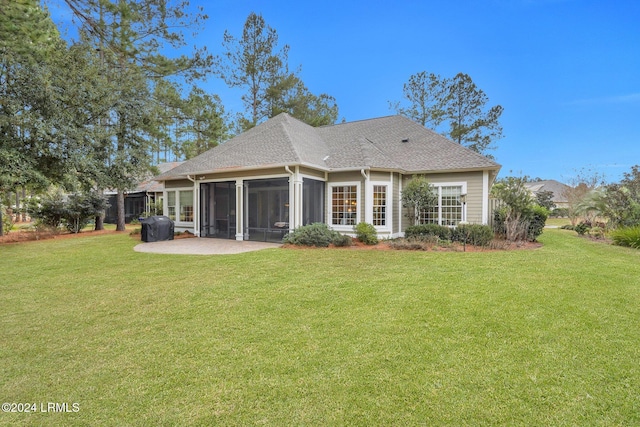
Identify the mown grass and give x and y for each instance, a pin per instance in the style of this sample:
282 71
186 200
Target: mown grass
320 336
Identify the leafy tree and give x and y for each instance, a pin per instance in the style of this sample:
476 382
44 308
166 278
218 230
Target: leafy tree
545 199
622 200
26 29
579 188
79 208
131 36
456 107
469 124
418 195
207 119
255 63
290 95
519 217
426 95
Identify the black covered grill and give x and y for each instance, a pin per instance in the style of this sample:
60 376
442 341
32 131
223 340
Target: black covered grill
157 228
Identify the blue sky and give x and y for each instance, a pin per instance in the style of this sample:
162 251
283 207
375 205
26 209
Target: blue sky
567 72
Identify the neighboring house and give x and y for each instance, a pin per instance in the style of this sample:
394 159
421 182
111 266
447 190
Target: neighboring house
137 201
558 189
283 174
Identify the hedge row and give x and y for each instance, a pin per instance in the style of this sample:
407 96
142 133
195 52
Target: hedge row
473 234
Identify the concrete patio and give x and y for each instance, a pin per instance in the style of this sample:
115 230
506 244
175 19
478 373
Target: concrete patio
203 246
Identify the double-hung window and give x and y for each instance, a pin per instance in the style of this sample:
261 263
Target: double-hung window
448 209
171 205
180 205
186 206
344 205
379 205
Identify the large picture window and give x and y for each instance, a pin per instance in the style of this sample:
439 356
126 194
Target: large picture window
344 205
448 209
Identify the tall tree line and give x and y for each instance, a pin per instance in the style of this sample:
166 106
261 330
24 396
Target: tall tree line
456 107
87 114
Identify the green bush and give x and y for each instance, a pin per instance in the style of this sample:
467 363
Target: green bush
366 233
473 234
537 217
341 240
7 219
582 228
316 234
559 213
627 236
416 231
529 226
49 209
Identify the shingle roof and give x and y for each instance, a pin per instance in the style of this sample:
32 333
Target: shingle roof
375 143
557 188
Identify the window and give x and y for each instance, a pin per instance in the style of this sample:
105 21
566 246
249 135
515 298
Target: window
186 206
180 203
448 208
171 204
379 205
344 205
450 205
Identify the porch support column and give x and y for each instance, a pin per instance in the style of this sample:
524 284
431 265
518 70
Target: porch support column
239 209
485 197
297 199
196 208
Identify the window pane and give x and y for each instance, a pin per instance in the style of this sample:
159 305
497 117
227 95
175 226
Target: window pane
448 208
171 204
379 205
186 206
451 205
344 207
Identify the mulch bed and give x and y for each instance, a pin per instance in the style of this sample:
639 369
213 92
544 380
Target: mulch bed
454 247
19 236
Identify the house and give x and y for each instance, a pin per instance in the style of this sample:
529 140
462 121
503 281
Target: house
558 189
138 201
283 174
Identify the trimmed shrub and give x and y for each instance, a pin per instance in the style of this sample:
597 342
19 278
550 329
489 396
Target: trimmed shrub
366 233
316 234
472 234
417 231
341 240
627 236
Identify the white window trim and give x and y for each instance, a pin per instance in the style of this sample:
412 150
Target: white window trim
369 205
463 190
338 227
165 208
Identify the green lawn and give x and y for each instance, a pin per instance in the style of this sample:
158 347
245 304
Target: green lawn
321 337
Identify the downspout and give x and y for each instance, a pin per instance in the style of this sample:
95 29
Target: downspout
196 207
292 196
